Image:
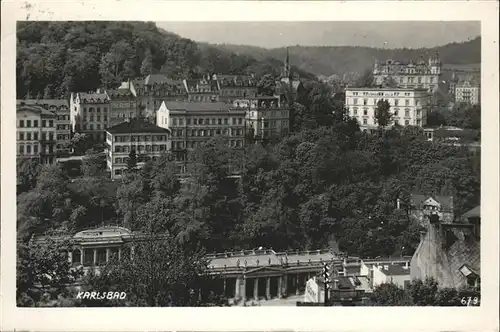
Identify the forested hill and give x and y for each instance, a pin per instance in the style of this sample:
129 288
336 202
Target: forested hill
329 60
54 58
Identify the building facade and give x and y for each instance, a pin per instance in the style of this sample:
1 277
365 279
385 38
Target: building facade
420 74
146 139
233 87
203 90
90 114
123 104
423 206
266 274
194 123
468 91
36 133
60 107
266 117
152 90
409 107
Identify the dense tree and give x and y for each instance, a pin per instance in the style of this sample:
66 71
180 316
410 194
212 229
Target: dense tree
383 114
147 64
366 80
132 161
92 164
43 272
27 174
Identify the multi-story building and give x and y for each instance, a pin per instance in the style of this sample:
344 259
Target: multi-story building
123 104
90 113
194 123
63 125
420 74
153 90
36 133
408 106
232 87
146 139
468 90
266 117
205 89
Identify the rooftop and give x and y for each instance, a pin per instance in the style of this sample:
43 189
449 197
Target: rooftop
94 97
35 108
446 201
159 79
473 213
136 126
395 270
187 106
386 89
44 102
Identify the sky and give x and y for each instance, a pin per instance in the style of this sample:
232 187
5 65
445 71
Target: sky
372 34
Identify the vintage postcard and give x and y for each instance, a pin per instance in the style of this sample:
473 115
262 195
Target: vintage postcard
166 165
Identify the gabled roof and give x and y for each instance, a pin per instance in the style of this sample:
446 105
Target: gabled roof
137 126
159 79
473 213
446 201
93 97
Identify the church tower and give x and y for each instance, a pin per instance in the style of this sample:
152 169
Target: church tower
286 72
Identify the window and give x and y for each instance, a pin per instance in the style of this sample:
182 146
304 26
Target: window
407 102
21 123
174 122
365 121
44 123
407 122
365 111
396 102
28 149
28 123
21 149
225 121
365 102
21 136
195 121
219 121
51 123
214 120
407 113
76 257
418 112
35 123
419 122
419 79
28 136
88 257
240 121
101 256
355 101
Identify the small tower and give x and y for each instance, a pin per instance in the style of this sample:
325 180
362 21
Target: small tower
286 72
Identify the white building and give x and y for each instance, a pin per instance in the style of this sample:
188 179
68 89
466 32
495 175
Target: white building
408 106
396 272
146 139
468 91
90 113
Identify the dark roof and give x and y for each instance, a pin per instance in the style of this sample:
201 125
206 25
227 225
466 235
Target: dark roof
446 201
187 106
86 98
44 102
120 93
36 109
395 270
473 213
136 126
159 79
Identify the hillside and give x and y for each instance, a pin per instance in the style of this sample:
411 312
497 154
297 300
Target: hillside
329 60
55 58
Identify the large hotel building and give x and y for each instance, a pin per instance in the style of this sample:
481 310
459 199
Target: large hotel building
420 74
408 106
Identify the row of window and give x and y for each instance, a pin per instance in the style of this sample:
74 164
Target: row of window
140 138
98 118
396 112
273 114
28 123
208 132
206 121
142 148
63 117
33 149
101 256
97 109
201 98
397 122
395 101
239 93
28 136
232 143
62 137
63 127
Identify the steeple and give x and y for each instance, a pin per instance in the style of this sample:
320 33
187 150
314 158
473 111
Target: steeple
287 73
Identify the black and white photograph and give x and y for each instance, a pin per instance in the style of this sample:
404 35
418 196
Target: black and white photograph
248 164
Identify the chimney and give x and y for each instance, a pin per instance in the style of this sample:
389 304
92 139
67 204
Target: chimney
398 203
